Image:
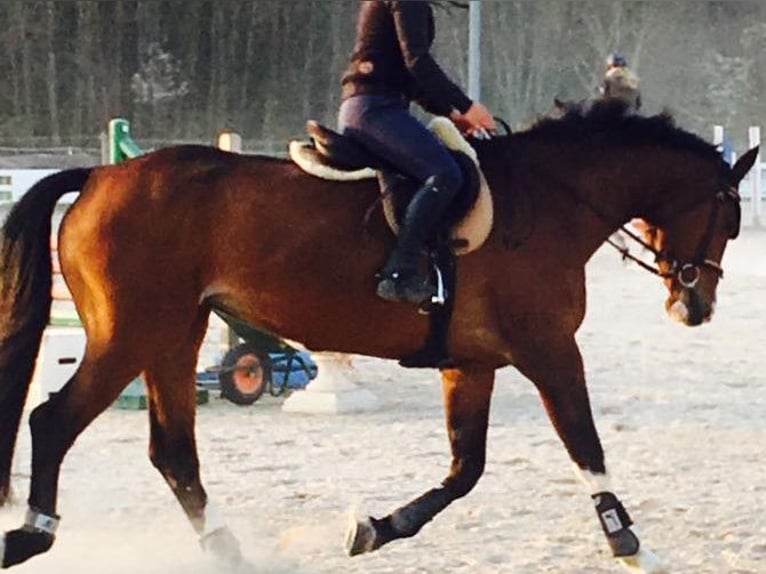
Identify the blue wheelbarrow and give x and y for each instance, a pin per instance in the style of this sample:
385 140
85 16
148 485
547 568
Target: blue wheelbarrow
261 363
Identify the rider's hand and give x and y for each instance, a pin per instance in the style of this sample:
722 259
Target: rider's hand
477 120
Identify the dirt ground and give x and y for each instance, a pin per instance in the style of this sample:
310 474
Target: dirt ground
681 412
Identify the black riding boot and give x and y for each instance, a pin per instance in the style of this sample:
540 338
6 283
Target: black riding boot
402 278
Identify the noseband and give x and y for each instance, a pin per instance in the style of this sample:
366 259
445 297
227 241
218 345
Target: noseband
687 272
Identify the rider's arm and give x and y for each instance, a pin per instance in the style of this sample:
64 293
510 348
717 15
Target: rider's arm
436 92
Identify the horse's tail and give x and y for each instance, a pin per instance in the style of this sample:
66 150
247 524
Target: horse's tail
26 277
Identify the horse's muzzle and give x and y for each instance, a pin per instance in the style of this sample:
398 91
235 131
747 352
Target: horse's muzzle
687 306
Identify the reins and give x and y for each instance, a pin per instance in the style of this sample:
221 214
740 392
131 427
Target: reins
628 256
688 273
682 271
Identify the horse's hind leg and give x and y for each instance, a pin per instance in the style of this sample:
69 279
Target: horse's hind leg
556 369
55 424
171 392
467 396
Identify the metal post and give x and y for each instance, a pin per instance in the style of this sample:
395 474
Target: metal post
474 50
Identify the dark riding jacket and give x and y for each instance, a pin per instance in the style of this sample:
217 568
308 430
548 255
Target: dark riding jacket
392 57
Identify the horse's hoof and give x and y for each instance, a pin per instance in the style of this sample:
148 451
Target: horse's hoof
624 543
223 546
20 545
643 562
360 537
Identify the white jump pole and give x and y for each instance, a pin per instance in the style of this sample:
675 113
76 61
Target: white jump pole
756 178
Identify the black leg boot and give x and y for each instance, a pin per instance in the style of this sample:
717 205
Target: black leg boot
402 278
435 351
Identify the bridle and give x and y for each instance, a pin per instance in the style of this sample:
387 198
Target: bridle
687 272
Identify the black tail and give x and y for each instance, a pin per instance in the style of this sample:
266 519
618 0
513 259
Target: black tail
25 300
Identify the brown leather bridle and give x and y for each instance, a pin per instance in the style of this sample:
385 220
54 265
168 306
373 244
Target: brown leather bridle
687 272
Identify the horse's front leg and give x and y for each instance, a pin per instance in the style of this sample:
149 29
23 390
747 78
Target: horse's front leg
173 451
556 369
467 394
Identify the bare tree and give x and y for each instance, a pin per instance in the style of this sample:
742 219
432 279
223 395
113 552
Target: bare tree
263 67
51 78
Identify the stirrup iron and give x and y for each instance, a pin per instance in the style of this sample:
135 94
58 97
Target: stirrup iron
441 295
439 298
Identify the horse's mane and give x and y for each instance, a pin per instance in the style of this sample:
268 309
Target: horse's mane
607 122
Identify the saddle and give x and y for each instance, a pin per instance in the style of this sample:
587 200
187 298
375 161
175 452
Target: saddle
468 221
465 226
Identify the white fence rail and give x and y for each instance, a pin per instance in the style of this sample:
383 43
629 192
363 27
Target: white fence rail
15 182
751 188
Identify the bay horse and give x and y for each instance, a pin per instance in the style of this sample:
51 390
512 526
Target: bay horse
151 246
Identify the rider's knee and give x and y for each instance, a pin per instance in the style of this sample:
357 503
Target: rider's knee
448 180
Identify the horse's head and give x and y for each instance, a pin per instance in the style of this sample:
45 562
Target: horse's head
690 243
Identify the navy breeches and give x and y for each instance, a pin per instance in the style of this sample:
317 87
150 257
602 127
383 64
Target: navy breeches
385 127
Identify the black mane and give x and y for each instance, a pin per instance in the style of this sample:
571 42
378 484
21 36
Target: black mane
607 122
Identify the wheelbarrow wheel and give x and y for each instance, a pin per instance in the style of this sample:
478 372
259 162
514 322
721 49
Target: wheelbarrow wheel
245 374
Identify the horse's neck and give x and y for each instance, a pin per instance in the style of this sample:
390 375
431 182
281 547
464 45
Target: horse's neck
626 183
670 179
589 200
581 194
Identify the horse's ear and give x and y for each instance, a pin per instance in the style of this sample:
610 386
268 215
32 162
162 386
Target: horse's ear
743 165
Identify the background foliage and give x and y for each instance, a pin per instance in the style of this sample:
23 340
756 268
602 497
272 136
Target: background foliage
182 70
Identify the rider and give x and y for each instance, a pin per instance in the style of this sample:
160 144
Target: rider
621 83
391 66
